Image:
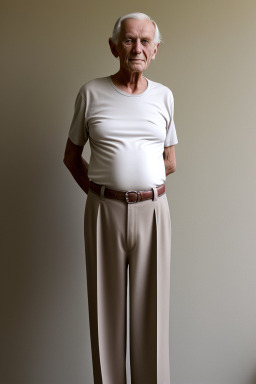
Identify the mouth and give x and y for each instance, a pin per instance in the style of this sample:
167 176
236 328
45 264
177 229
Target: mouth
136 60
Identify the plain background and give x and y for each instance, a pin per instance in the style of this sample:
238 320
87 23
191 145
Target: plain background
208 59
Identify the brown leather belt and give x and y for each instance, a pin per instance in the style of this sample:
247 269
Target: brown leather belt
128 196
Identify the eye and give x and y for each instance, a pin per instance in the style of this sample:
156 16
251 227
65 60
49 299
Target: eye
128 41
145 42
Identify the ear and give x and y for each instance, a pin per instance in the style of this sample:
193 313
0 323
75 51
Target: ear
113 47
155 51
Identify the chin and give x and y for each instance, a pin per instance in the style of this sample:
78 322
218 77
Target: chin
138 65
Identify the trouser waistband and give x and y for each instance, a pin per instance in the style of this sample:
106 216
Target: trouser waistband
127 196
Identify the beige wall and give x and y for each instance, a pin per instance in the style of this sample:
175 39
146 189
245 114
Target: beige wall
208 59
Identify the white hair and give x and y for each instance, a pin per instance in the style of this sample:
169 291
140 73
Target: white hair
138 16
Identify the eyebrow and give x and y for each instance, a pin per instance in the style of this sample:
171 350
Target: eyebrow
128 35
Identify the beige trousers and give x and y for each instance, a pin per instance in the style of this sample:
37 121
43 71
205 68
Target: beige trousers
118 235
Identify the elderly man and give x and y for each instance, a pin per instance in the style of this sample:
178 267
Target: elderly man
128 120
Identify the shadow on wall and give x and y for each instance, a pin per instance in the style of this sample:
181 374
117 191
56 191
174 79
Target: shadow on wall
43 305
32 264
253 379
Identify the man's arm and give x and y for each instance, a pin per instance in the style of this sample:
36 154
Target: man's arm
169 160
77 165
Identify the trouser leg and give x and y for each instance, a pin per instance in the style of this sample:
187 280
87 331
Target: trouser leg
149 270
139 234
106 267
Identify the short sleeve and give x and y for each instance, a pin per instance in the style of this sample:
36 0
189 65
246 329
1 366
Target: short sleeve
171 135
78 132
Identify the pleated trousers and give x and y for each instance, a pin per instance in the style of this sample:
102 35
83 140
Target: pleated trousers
128 241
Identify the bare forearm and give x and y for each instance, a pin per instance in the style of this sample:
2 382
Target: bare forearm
79 170
169 167
169 160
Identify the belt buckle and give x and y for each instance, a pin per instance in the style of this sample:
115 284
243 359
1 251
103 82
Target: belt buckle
127 197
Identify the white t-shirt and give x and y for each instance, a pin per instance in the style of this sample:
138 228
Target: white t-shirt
127 133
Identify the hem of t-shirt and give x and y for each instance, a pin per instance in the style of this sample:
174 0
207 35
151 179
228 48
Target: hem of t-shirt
171 143
128 94
124 189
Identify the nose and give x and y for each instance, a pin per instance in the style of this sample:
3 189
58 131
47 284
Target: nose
137 46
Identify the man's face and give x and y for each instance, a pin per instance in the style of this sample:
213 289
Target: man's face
135 47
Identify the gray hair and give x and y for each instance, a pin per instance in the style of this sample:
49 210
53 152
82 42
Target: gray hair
138 16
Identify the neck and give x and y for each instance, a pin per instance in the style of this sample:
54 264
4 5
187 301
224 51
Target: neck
130 82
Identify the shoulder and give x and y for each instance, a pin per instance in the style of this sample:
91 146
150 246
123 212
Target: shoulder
94 85
161 91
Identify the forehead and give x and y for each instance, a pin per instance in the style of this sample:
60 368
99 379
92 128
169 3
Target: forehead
138 27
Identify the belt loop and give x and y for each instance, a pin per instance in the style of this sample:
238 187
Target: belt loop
155 194
102 190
